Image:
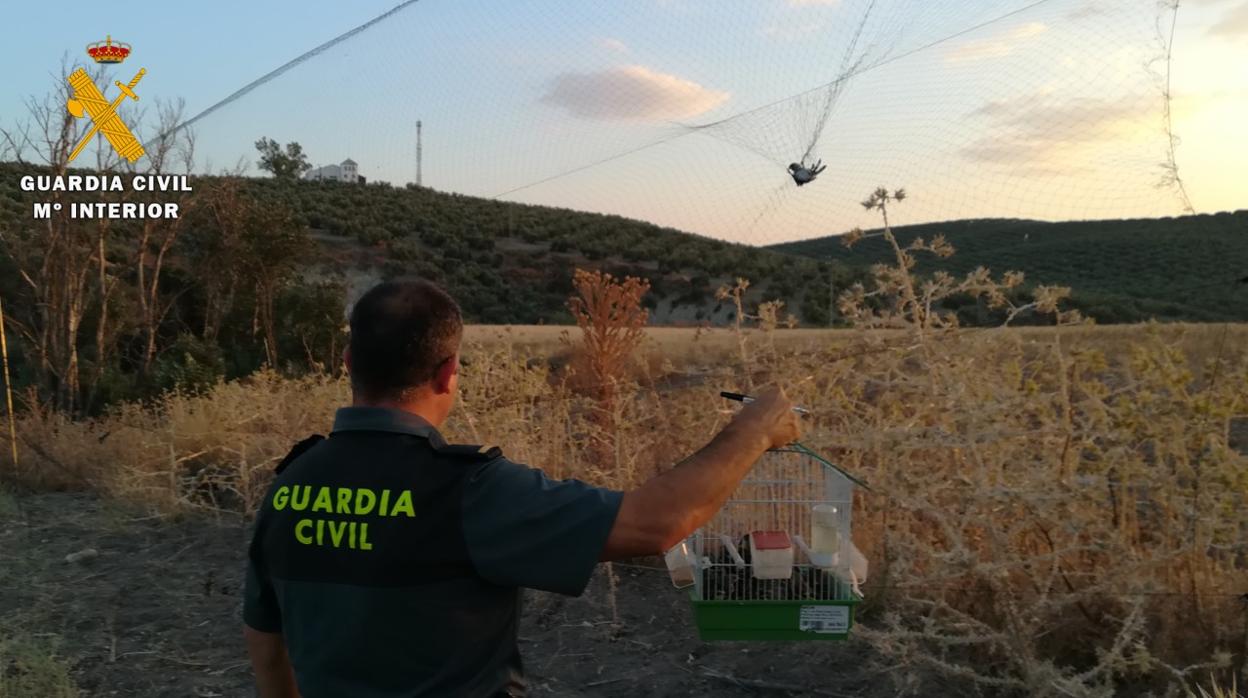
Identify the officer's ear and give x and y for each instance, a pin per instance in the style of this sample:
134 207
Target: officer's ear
346 358
444 379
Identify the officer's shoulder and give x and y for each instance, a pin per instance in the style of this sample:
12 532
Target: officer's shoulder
298 450
472 453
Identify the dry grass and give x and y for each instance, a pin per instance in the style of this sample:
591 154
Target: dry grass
31 668
1216 691
1051 509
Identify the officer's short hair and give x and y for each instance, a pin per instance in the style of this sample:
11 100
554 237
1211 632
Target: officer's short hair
402 331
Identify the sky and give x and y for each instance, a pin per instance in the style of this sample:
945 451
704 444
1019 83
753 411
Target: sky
686 112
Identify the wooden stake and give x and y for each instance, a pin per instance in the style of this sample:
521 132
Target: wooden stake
8 389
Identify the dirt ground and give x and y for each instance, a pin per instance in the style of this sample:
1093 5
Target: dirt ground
155 612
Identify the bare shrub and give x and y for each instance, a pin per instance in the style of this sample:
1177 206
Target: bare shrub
611 319
612 323
1045 522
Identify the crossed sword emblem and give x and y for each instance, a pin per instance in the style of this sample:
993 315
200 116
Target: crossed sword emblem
88 99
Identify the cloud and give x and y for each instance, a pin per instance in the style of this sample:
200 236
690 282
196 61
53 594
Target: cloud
1234 23
613 45
1092 8
995 47
1040 135
808 3
633 93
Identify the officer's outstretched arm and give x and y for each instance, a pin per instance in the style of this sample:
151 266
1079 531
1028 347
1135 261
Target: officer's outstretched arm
671 505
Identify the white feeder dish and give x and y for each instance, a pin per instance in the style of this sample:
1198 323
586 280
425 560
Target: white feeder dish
771 555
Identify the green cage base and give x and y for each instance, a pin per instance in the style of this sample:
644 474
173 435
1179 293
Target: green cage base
773 620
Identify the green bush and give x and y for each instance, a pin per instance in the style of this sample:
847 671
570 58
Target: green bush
189 365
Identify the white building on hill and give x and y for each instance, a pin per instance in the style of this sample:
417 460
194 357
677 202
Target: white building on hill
346 171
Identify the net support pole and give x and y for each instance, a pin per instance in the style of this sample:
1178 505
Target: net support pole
8 389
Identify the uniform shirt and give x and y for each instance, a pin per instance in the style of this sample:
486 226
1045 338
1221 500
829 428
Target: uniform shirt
392 563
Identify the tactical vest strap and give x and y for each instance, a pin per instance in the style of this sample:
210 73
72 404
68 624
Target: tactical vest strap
299 449
478 453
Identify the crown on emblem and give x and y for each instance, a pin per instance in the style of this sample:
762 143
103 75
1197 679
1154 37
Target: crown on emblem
108 51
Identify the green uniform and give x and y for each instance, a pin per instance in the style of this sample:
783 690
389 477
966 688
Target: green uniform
392 562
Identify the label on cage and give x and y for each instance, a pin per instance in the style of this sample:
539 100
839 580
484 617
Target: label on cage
824 619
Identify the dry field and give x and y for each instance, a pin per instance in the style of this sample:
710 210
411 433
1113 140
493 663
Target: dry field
1054 511
156 613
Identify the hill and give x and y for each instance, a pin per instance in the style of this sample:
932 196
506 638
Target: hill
1183 268
512 263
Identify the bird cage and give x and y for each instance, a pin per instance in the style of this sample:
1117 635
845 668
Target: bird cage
777 562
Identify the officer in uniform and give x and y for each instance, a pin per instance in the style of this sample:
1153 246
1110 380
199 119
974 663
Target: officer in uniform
387 563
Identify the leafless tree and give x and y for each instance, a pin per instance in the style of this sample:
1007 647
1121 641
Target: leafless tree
157 236
53 257
65 263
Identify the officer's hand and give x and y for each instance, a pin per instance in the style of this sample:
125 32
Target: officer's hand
772 413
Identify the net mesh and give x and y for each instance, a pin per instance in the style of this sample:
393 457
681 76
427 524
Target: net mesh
687 114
